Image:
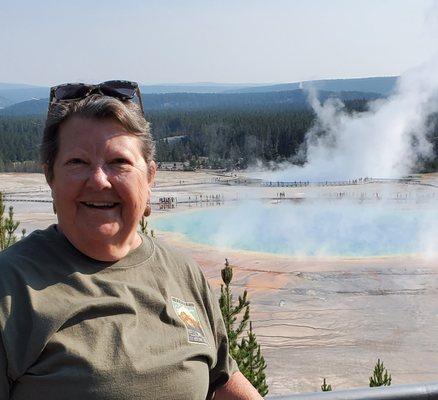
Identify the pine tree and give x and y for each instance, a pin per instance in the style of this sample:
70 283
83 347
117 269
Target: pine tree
252 363
144 226
380 375
246 352
325 387
230 311
7 226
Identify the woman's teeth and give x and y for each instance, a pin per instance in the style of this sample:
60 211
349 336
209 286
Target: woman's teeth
99 204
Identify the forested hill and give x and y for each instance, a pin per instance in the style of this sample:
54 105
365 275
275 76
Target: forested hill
293 99
382 85
200 138
201 130
29 107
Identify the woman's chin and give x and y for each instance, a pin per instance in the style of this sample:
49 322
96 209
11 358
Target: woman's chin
108 234
104 243
108 230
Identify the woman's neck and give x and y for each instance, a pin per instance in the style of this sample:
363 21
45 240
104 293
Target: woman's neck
105 251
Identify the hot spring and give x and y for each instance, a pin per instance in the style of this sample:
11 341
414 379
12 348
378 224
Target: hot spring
312 228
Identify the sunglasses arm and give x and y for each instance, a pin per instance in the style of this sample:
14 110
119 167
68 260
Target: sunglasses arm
139 99
52 95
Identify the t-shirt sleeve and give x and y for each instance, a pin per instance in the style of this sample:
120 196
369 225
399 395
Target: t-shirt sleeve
225 365
4 380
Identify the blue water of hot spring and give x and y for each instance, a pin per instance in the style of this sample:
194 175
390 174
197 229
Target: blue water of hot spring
311 228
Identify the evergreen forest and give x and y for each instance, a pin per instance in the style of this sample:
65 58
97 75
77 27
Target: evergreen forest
209 138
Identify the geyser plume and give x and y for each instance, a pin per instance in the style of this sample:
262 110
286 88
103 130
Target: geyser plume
386 141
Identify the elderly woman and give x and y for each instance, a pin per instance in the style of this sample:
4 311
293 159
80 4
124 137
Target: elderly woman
90 308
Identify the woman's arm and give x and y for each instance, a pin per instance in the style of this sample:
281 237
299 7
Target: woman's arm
237 388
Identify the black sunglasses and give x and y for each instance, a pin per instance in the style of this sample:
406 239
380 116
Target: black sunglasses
122 90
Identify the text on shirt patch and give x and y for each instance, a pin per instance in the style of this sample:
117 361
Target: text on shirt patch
189 316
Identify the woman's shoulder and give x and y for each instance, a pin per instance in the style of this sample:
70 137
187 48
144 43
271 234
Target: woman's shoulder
27 252
31 242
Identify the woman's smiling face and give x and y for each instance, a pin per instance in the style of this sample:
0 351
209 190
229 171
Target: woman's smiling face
100 186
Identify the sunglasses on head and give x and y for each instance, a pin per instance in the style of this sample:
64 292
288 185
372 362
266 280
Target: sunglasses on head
122 90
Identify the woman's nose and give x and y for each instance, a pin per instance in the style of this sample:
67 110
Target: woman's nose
98 179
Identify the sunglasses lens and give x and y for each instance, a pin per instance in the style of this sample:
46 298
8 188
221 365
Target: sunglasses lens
120 89
70 92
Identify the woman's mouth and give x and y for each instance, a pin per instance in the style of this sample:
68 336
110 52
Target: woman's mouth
103 205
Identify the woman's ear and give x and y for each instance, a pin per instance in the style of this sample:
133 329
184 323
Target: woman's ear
49 181
152 170
46 174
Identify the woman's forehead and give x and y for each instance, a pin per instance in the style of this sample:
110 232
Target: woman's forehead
90 134
84 125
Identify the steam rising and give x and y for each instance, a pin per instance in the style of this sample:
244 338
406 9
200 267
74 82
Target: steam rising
385 218
385 142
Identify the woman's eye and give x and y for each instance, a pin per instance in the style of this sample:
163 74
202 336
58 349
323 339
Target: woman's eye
75 161
120 161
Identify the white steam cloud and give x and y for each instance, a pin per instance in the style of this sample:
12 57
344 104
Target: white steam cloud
385 142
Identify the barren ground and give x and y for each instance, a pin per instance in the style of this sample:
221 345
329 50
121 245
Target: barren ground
314 317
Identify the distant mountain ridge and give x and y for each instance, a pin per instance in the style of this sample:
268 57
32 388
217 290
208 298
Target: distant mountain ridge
382 85
28 107
17 95
208 87
296 99
4 102
4 85
292 99
12 93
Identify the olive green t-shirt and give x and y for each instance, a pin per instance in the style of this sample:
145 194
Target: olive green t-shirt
145 327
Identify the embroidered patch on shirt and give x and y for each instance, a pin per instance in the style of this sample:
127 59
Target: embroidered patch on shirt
189 316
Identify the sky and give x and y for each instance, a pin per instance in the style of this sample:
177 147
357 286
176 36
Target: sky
48 42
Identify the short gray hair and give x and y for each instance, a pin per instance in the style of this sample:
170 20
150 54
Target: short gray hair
127 113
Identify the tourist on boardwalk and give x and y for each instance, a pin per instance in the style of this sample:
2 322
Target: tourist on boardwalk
90 308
